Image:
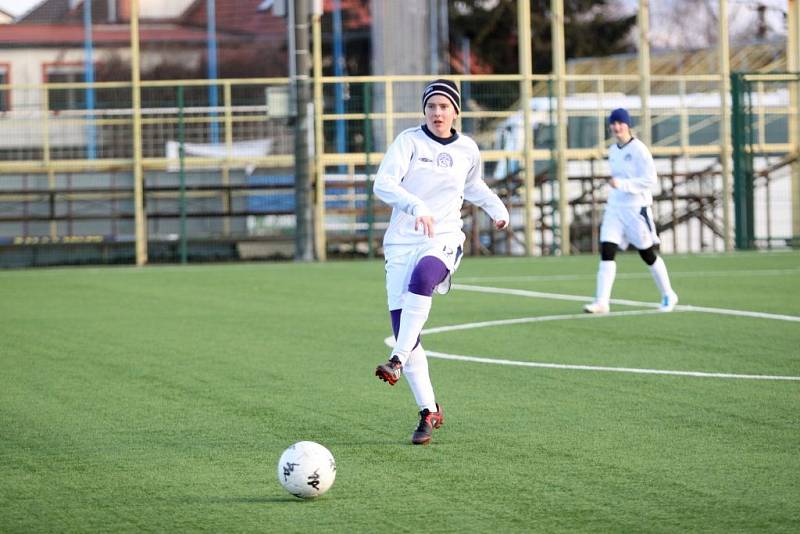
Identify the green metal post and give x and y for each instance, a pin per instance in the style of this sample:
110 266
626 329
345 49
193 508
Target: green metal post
741 133
749 172
368 168
182 176
737 140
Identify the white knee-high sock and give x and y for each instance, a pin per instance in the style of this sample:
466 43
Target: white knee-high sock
605 281
660 275
415 312
416 372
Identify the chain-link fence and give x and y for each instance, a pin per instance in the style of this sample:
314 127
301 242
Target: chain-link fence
210 128
766 126
237 199
220 177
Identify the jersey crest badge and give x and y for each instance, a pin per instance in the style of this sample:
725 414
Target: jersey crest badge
444 160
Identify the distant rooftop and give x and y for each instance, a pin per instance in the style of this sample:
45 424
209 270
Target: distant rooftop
766 56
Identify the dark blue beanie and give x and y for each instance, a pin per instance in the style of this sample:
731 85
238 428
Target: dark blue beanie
620 115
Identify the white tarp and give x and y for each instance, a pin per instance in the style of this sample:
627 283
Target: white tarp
255 148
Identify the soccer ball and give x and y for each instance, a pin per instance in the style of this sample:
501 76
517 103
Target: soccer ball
306 469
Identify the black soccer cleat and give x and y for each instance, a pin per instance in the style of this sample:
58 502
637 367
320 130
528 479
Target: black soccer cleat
390 371
428 420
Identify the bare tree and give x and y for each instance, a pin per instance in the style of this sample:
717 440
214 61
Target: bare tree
693 24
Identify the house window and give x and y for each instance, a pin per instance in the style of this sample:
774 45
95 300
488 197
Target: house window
65 98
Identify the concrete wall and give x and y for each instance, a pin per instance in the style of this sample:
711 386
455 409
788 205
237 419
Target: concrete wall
404 41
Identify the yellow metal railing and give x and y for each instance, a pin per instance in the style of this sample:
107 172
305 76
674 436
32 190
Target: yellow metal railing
54 128
36 139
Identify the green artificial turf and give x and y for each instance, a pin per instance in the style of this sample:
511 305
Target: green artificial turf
160 399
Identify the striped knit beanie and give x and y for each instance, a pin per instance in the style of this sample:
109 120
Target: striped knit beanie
445 88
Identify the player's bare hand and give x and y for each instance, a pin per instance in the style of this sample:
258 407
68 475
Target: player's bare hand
424 223
614 182
500 224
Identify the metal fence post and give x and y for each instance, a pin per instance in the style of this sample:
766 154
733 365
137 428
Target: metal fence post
138 178
525 69
742 163
368 169
182 175
320 239
559 67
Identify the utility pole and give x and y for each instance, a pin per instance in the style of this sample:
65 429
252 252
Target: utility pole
303 240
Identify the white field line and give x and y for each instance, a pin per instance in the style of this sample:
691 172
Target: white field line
536 319
672 274
578 298
389 341
539 319
609 369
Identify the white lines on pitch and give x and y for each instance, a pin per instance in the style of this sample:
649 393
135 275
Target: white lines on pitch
625 302
633 370
522 320
525 320
389 341
644 275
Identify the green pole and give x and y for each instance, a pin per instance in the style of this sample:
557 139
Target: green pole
742 140
749 170
737 132
368 169
182 175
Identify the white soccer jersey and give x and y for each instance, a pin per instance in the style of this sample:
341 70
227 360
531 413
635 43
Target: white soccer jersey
633 165
424 175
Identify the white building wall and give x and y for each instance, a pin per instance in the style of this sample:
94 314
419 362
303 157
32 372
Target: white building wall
159 9
23 126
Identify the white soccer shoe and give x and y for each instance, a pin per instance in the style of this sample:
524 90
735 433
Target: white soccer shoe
596 307
668 302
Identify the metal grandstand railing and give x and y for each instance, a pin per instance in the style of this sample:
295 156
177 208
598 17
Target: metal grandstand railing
51 191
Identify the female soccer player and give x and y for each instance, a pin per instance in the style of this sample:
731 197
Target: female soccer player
628 217
426 174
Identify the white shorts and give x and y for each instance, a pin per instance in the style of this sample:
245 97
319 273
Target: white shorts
401 260
634 225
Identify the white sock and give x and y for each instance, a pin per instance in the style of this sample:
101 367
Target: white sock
416 372
415 313
605 281
660 275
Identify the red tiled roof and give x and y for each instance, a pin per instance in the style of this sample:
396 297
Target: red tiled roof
236 16
244 16
57 34
66 11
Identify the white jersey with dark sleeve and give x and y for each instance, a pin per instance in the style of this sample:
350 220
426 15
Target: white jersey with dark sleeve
632 164
424 175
